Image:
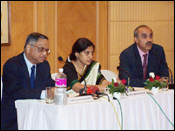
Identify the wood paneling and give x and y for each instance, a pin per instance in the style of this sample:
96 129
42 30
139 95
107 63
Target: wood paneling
21 26
141 11
102 34
62 21
76 19
50 29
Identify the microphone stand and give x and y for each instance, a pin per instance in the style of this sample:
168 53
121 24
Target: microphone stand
128 81
85 87
171 85
119 68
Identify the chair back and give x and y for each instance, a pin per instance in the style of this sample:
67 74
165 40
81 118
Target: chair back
108 75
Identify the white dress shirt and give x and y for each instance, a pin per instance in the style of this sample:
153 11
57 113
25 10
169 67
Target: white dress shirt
29 65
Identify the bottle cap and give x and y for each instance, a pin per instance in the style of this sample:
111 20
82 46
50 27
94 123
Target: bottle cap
61 70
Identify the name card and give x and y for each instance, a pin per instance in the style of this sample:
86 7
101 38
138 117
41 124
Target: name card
79 99
133 93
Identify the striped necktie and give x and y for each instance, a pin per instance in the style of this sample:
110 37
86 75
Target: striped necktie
144 66
32 78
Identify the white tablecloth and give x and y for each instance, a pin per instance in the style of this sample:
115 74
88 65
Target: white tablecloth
139 113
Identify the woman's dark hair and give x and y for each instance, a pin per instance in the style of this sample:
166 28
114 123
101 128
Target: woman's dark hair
80 45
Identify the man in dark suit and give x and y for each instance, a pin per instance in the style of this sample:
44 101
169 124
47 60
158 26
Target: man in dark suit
132 59
20 82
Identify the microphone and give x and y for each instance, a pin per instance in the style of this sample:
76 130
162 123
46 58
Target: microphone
94 92
91 90
81 91
171 86
61 59
119 68
95 89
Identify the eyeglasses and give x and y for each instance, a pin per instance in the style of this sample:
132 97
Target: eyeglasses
41 49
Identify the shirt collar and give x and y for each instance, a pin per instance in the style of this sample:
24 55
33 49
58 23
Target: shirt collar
141 52
29 64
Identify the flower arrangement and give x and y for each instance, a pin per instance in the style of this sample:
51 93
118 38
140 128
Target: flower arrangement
154 82
117 87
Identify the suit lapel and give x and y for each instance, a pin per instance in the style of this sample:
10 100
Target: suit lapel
39 77
25 72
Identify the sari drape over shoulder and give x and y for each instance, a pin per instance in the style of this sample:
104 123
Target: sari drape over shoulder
91 74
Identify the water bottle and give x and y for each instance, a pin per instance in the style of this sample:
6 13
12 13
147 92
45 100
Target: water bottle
61 79
60 96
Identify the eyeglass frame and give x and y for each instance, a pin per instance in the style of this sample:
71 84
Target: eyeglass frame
41 49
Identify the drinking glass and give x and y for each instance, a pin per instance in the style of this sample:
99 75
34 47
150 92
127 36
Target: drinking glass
165 79
49 95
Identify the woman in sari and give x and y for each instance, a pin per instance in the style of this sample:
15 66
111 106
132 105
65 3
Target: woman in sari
84 67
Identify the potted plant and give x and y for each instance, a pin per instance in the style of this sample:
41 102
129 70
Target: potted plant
154 84
117 88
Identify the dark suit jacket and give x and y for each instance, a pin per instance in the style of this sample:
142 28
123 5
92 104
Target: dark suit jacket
130 61
16 85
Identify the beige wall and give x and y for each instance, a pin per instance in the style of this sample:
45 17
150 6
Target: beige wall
109 24
125 16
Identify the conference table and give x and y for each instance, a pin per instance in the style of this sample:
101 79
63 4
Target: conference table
139 112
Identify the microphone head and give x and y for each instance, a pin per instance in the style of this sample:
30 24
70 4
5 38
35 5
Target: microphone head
81 91
60 58
95 89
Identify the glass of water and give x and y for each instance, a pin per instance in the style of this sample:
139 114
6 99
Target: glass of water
49 94
165 79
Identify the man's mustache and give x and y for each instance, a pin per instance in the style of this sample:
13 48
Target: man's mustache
149 42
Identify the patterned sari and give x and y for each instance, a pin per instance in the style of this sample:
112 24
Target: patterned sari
91 74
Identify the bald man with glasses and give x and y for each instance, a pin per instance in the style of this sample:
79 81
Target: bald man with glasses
25 77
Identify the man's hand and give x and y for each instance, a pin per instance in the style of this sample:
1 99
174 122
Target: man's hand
50 92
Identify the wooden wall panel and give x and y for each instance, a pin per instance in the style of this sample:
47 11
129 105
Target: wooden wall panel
76 19
125 16
62 21
21 26
51 31
141 11
102 34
